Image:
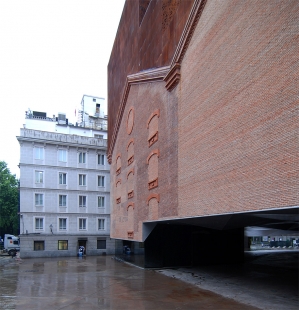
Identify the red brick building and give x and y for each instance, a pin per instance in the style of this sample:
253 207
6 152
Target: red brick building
203 112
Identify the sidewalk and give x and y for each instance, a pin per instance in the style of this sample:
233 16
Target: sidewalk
267 279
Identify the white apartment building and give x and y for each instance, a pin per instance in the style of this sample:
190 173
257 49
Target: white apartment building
64 187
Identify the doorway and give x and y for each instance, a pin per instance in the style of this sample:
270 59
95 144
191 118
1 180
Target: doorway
82 243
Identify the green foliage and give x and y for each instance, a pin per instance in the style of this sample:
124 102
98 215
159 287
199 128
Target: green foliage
9 201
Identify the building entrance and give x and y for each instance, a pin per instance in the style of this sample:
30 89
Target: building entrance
82 243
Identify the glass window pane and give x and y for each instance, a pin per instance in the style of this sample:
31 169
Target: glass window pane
62 155
38 153
101 244
101 159
39 199
101 180
82 224
39 177
101 224
62 244
101 202
39 245
39 223
62 224
82 179
62 200
62 178
82 201
82 158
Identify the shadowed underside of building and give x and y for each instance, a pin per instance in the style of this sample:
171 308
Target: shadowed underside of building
203 126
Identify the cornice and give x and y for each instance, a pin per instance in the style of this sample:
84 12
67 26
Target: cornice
65 168
148 75
37 136
170 74
173 77
188 31
59 190
140 77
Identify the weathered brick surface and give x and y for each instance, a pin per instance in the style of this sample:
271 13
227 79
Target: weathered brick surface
142 46
146 98
238 109
228 132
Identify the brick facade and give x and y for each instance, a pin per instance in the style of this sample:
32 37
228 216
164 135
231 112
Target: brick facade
150 162
238 109
218 132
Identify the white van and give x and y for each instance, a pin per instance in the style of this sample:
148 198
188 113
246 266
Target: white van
11 244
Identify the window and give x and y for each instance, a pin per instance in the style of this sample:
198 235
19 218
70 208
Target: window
101 201
62 178
101 224
62 224
82 224
39 223
82 201
82 179
62 155
99 136
101 180
62 244
62 200
38 245
101 244
101 159
39 176
82 158
39 199
38 153
94 99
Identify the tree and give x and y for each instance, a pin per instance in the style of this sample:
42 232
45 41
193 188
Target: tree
9 201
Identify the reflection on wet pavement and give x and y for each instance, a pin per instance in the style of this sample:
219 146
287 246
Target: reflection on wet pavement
98 283
266 279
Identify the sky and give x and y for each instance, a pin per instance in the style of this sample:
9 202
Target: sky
51 54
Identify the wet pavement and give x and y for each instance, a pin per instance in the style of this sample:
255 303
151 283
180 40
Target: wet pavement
266 280
102 282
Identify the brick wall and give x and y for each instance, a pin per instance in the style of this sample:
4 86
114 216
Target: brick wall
145 99
238 109
142 45
227 133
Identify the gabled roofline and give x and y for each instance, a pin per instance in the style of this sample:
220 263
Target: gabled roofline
169 74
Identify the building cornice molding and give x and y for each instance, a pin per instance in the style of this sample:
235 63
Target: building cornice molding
65 168
172 78
60 190
188 31
147 76
45 137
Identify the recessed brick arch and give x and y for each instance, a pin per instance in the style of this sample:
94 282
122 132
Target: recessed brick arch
153 152
151 196
130 150
117 181
130 120
130 141
118 163
117 156
155 113
131 204
131 171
